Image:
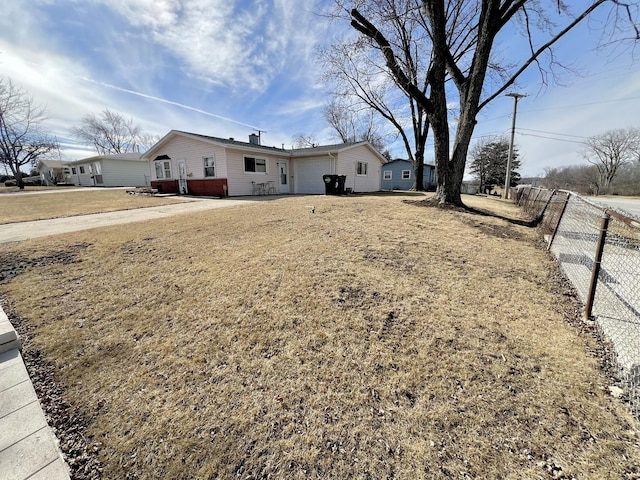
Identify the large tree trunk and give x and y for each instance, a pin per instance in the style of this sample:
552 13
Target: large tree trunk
449 180
419 171
19 181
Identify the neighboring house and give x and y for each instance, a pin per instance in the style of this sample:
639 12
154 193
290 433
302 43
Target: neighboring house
398 174
190 163
119 170
53 172
470 187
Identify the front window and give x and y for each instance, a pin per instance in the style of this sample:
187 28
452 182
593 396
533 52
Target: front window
209 167
406 174
73 170
361 168
81 169
163 169
255 165
387 175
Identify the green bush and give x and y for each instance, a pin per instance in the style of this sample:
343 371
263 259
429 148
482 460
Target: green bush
28 182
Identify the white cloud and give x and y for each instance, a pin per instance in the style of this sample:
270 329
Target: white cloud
241 45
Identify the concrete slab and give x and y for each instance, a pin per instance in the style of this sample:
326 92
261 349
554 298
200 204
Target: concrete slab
8 337
21 423
57 470
15 397
12 375
30 456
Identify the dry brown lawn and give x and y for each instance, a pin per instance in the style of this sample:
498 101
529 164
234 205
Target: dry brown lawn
371 339
4 189
22 208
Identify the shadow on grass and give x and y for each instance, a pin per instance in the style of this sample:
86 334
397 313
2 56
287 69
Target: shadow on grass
434 203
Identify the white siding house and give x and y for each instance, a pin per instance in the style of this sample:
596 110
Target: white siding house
183 162
121 170
53 172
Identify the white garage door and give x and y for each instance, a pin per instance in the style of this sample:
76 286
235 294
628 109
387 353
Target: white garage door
308 174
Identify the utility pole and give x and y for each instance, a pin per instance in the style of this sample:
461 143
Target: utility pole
507 180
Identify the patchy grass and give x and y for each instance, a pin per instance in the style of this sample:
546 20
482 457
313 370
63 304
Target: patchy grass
370 339
22 208
4 189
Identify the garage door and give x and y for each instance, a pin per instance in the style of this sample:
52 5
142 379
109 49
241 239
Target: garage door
308 174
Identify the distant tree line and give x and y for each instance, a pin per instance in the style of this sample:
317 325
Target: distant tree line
613 166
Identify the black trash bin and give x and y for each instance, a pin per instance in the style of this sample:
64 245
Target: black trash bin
330 184
341 181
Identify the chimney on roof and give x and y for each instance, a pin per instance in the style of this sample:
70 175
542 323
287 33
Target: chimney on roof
254 139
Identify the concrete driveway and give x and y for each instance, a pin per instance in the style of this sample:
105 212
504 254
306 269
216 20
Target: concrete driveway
15 232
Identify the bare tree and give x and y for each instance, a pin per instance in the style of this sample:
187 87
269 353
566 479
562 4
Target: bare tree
579 178
462 35
300 140
363 86
111 133
610 151
54 176
22 138
353 126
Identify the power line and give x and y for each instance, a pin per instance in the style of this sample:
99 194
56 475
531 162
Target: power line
549 138
583 104
552 133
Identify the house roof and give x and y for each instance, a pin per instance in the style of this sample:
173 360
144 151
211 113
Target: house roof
326 148
130 157
398 160
51 163
223 142
232 142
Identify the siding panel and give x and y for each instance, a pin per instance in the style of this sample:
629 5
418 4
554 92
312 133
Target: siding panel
124 173
346 165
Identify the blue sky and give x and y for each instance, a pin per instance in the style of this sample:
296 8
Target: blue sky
226 68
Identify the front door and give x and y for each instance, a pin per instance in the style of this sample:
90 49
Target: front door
182 177
283 175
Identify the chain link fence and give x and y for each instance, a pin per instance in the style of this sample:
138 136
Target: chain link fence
598 250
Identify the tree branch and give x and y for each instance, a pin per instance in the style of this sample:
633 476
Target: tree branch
367 28
539 52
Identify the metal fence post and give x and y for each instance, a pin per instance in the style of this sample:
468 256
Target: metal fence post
555 229
604 225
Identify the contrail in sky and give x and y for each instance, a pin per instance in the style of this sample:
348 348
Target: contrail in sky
169 102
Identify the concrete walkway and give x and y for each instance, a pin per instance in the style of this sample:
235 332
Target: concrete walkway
28 447
15 232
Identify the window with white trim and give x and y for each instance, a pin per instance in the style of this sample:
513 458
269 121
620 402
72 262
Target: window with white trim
163 169
255 165
406 174
209 166
81 169
361 168
387 175
73 170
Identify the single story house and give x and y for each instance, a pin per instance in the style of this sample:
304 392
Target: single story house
115 170
190 163
398 174
53 172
